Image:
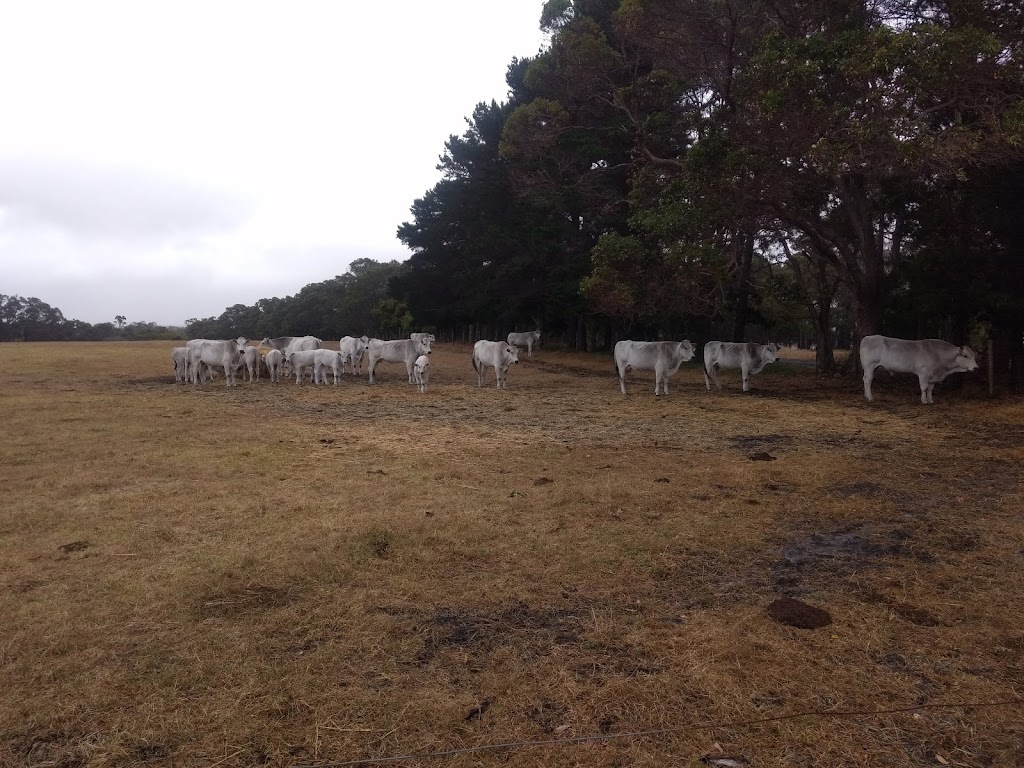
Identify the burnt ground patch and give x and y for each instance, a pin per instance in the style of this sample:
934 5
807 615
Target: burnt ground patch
532 631
817 561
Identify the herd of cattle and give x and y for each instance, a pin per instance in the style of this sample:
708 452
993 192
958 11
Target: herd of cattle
932 360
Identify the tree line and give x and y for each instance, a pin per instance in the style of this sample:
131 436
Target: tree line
727 168
31 319
730 169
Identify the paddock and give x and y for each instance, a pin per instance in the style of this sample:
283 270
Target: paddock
304 575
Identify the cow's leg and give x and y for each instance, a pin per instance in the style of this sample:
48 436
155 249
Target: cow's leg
745 376
621 369
869 375
925 387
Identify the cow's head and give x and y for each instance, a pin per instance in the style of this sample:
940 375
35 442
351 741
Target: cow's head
424 346
512 353
966 359
686 350
771 352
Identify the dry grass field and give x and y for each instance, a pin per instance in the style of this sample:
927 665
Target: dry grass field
306 576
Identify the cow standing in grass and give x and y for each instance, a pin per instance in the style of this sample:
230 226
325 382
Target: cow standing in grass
527 339
398 351
179 356
220 354
662 357
498 355
931 359
275 365
421 372
749 358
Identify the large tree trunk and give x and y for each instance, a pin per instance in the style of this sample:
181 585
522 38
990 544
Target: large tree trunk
743 253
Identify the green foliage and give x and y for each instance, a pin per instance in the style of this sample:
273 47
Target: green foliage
392 317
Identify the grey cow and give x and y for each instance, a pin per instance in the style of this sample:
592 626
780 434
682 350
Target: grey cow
748 357
931 359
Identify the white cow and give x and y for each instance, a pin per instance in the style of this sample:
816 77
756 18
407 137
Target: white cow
299 361
931 359
275 364
527 339
398 351
251 362
498 355
292 343
352 349
421 372
662 357
749 358
324 359
179 356
222 354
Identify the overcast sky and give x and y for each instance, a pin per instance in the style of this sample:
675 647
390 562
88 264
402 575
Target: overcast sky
165 160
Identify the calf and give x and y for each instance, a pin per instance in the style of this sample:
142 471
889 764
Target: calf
299 361
275 364
324 359
421 372
250 360
179 356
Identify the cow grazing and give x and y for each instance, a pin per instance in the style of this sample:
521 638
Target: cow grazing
498 355
352 350
421 372
931 359
275 364
398 351
662 357
222 354
324 359
292 343
527 339
301 360
250 362
749 358
179 356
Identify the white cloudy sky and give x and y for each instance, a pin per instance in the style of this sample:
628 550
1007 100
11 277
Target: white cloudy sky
164 160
